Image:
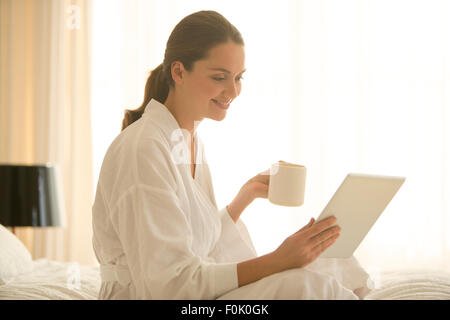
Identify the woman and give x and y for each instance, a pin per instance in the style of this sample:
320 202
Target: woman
158 233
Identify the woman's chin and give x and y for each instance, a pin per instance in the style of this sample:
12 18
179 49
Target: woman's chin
218 117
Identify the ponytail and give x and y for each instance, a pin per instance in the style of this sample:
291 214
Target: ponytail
156 87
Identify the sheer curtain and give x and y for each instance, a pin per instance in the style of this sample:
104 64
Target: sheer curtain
338 86
45 112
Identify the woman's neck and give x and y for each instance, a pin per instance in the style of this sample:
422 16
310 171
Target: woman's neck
181 113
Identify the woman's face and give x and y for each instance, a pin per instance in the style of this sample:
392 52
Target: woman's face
215 81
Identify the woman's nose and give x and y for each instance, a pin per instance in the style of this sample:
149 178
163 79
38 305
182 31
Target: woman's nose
232 91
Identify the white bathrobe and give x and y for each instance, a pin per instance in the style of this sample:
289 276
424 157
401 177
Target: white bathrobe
158 233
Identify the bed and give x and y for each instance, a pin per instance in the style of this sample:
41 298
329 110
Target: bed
22 278
52 280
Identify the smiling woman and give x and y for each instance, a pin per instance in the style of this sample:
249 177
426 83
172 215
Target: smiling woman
347 86
150 192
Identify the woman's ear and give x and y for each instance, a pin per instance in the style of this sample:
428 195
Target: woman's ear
177 70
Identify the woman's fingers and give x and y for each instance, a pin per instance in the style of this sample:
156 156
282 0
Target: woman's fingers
320 226
310 223
261 177
260 190
322 246
324 236
309 242
312 229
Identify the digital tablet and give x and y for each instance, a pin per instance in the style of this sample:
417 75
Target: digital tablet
357 204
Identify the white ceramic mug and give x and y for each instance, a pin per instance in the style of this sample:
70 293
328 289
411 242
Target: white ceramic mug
287 184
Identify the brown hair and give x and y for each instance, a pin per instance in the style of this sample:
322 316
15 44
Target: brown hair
190 40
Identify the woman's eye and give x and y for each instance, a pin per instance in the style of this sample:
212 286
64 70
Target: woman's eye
222 79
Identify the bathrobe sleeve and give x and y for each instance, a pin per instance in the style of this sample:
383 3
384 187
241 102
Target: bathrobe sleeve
156 237
234 244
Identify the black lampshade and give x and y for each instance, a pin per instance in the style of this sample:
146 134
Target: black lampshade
30 196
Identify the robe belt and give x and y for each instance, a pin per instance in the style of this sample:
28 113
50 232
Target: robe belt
119 273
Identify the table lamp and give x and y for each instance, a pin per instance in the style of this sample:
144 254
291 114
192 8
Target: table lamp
30 196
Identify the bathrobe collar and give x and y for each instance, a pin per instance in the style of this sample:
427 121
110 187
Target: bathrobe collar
164 119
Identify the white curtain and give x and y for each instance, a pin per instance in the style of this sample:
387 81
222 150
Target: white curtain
338 86
45 112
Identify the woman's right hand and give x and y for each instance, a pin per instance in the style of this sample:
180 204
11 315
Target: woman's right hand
304 246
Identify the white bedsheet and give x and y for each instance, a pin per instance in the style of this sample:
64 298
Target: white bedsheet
54 281
68 281
412 285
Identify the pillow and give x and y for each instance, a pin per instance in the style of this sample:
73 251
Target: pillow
15 259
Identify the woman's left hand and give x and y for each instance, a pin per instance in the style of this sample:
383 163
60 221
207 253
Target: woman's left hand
258 186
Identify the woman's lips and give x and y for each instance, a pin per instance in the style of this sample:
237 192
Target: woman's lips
221 105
